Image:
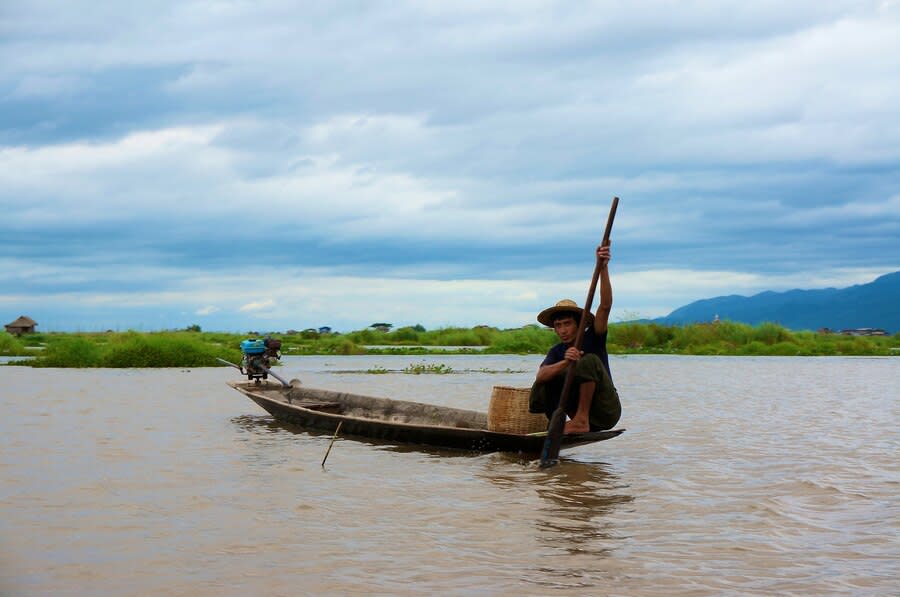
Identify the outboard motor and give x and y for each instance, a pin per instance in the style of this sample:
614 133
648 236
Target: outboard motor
258 357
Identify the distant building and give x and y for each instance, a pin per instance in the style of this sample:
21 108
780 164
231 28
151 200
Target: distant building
864 332
23 325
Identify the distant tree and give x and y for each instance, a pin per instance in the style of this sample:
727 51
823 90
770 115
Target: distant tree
382 327
193 328
419 327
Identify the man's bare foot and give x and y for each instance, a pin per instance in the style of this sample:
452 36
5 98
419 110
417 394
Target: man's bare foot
576 426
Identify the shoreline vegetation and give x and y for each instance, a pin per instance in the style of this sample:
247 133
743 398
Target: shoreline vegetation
195 348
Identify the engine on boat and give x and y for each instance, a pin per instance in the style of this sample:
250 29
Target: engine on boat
258 356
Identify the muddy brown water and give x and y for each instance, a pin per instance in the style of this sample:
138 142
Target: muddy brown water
737 476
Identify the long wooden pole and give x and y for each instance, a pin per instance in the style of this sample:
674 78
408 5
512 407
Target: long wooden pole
328 451
550 453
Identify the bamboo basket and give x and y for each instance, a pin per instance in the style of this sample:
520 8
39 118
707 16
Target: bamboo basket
508 412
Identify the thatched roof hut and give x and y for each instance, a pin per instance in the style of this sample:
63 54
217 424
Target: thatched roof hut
23 325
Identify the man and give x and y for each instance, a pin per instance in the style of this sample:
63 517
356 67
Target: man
593 403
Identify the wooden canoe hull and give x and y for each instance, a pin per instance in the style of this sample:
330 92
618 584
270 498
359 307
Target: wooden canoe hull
397 421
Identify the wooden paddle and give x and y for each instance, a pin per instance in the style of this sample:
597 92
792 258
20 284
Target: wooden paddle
550 453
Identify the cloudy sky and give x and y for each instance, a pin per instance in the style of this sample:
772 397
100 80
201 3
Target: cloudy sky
276 164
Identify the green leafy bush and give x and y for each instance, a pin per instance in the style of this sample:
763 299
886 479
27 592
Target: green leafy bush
631 335
405 334
346 347
771 333
10 345
185 349
526 340
788 349
696 334
69 351
159 350
34 339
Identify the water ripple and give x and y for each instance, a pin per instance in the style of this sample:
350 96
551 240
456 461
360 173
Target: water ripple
737 476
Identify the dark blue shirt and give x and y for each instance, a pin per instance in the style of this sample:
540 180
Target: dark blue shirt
590 343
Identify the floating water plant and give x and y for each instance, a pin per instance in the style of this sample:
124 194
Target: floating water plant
438 368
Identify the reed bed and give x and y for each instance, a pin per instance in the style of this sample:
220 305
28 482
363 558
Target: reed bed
133 349
200 349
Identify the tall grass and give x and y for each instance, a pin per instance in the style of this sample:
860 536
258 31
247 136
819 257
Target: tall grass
160 350
530 339
132 349
70 351
10 345
733 338
200 349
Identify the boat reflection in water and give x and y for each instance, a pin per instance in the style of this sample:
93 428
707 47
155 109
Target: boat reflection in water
574 505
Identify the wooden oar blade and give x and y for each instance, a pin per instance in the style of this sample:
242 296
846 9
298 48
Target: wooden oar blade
550 452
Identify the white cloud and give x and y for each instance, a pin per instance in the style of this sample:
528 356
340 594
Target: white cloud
146 172
186 176
300 298
257 306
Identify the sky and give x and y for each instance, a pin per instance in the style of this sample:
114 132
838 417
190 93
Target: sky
275 165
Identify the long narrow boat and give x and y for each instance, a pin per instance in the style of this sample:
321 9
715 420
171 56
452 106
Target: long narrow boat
396 420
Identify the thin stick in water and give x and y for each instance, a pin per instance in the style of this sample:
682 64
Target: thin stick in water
328 451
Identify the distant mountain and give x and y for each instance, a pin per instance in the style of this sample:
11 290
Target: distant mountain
872 305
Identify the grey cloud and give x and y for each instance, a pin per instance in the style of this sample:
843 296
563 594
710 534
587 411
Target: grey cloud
472 142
